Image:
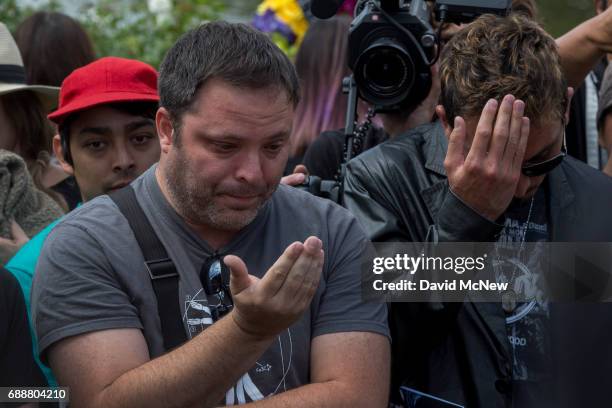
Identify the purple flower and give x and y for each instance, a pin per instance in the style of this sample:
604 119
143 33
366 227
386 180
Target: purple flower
268 23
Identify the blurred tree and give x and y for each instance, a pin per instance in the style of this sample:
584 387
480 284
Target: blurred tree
560 16
140 29
245 8
132 29
11 14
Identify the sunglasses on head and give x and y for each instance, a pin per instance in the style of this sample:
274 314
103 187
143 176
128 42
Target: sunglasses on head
546 166
215 276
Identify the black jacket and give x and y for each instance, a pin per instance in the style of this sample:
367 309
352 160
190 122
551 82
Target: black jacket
460 352
324 156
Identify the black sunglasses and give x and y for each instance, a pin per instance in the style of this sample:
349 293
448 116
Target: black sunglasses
215 276
546 166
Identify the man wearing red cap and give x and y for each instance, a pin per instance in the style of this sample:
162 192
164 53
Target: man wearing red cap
106 124
205 282
106 139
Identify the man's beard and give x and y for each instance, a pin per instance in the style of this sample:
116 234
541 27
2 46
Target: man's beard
194 200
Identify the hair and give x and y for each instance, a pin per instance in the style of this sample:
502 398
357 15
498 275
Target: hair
38 38
527 8
495 56
142 109
34 133
321 63
603 4
234 53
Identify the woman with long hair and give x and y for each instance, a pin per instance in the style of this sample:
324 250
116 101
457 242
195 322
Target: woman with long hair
30 185
321 65
26 131
38 37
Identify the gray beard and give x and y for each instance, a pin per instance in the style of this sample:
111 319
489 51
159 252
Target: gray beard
195 201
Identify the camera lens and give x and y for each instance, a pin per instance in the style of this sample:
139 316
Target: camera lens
384 72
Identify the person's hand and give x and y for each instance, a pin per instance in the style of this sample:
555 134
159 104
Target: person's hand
486 177
608 167
9 247
297 177
600 30
265 307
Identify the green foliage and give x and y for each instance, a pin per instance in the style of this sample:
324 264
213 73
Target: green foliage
282 43
560 16
11 13
128 28
131 30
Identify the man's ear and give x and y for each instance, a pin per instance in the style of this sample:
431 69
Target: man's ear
570 94
441 112
165 129
59 153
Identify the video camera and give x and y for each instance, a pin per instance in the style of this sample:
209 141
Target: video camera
392 46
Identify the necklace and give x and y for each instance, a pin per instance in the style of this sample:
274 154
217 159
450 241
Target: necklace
509 297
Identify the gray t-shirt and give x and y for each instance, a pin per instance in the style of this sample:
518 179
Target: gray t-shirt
91 276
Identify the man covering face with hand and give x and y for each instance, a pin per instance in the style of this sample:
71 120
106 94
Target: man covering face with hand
493 169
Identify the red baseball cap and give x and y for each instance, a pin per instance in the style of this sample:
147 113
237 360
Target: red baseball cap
104 81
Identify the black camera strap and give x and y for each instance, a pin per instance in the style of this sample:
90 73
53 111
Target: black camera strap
163 273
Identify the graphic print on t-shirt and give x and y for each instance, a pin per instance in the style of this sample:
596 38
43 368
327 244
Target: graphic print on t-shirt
267 377
527 323
197 313
246 390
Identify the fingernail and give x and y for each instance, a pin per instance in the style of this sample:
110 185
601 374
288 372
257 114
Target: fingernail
492 103
296 248
314 244
456 124
301 177
519 106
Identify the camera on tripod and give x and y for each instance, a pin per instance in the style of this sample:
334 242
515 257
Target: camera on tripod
392 46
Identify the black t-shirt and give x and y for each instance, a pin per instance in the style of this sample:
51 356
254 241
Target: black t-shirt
17 365
69 189
527 324
324 156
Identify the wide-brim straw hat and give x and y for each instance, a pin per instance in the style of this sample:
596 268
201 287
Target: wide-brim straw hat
13 74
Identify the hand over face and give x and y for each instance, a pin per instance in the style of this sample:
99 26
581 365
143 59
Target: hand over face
265 307
486 177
